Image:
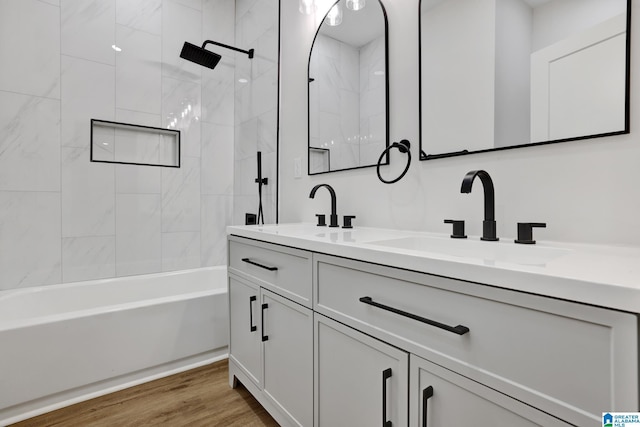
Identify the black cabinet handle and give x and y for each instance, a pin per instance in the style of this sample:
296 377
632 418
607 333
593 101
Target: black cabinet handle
266 267
426 394
251 300
264 337
386 374
460 330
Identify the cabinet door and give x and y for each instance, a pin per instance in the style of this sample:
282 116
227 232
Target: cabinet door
244 337
453 400
288 356
359 380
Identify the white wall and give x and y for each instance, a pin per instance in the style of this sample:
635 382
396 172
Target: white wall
256 107
512 78
556 20
458 39
347 99
64 218
585 191
335 100
372 102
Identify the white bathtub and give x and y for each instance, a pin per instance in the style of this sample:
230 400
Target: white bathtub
66 343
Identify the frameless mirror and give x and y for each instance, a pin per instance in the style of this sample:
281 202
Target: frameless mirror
348 88
498 74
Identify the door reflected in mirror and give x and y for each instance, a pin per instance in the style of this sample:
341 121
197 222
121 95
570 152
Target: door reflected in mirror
499 74
348 114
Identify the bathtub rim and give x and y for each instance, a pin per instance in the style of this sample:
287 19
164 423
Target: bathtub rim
112 308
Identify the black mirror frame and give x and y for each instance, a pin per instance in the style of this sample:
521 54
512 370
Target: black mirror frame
386 94
424 156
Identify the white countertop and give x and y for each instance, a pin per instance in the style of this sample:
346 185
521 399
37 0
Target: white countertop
607 276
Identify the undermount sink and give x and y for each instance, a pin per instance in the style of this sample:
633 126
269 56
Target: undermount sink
491 252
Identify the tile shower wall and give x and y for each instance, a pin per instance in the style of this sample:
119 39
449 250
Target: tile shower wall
372 101
256 104
347 102
335 68
63 218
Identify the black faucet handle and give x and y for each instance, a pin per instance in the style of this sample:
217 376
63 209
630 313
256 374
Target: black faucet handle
525 232
347 221
458 228
321 220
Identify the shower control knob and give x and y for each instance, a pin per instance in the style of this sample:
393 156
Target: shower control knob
347 221
458 228
321 220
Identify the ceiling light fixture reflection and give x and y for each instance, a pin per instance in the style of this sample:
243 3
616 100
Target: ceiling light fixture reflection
334 17
356 4
307 7
116 48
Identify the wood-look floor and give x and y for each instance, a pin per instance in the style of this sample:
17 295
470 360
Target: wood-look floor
200 397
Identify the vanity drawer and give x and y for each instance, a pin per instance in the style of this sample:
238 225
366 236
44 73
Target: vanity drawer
572 360
283 270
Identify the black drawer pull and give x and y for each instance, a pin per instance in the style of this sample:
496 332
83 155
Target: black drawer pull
386 374
253 327
266 267
426 394
460 330
264 337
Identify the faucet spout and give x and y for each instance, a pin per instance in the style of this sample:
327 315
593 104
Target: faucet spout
333 219
489 223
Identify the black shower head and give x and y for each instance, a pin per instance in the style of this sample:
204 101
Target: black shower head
199 55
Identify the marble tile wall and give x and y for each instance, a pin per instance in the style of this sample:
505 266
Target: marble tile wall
336 69
372 101
347 101
256 103
63 218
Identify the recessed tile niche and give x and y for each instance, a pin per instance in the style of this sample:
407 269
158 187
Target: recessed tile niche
124 143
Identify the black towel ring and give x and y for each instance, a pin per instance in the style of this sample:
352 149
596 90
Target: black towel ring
402 146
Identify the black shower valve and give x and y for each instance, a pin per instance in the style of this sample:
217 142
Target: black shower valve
321 220
458 228
347 221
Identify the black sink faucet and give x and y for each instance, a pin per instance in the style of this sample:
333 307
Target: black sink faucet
333 219
489 223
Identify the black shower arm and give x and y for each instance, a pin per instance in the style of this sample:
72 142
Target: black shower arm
248 52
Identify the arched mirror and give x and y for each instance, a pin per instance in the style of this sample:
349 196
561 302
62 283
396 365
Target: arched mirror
498 74
348 88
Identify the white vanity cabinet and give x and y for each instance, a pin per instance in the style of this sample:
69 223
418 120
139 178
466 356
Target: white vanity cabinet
246 329
359 381
271 337
356 343
570 360
453 400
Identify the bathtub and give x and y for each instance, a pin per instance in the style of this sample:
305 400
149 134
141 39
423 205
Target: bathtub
67 343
